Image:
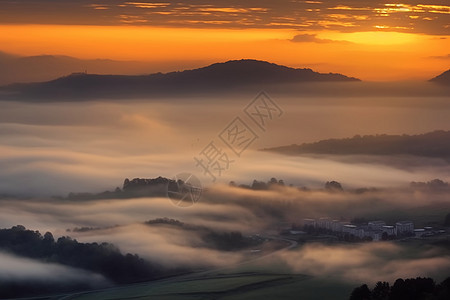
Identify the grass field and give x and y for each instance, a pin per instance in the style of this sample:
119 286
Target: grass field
228 286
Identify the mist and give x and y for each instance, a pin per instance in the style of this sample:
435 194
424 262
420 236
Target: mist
367 263
18 269
52 149
222 209
56 148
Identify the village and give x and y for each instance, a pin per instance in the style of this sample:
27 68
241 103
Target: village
376 230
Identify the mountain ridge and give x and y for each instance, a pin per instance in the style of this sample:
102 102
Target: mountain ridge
432 144
45 67
443 78
234 74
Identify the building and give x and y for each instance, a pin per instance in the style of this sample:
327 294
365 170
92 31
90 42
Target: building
376 235
372 230
359 232
419 232
349 229
324 223
309 222
376 225
404 227
336 225
389 230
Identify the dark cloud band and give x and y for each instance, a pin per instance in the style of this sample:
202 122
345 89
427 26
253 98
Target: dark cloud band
346 16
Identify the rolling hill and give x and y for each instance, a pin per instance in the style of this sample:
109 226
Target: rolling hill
443 78
38 68
433 144
231 75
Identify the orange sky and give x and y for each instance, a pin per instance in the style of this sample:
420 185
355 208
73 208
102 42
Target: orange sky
371 43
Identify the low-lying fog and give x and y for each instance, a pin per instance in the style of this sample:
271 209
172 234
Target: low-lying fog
52 149
224 208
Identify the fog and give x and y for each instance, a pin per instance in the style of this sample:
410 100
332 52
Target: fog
51 149
56 148
23 269
224 209
367 263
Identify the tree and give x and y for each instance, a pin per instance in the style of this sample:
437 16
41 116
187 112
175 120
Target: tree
333 186
409 289
443 290
48 238
381 291
259 185
361 293
437 184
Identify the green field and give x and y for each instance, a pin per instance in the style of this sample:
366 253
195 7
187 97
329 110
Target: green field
227 286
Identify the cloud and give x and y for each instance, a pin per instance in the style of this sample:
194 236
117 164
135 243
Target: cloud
53 149
310 38
171 247
441 56
221 208
224 208
243 14
365 263
16 268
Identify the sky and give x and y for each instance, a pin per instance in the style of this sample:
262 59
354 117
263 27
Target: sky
371 40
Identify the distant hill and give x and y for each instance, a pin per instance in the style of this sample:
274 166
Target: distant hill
137 187
216 77
443 78
21 69
432 144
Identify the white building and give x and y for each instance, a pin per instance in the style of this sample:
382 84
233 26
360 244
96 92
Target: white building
349 229
389 230
309 222
376 225
324 223
376 235
359 232
404 227
336 225
419 232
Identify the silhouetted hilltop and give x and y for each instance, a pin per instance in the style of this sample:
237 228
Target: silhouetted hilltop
249 71
137 187
443 78
15 69
435 185
432 144
216 77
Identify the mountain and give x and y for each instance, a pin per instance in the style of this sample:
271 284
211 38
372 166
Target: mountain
433 144
4 57
14 69
443 78
226 76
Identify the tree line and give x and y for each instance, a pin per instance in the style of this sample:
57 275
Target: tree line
409 289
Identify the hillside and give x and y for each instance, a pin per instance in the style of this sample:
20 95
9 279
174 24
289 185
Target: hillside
39 68
443 78
231 75
432 144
